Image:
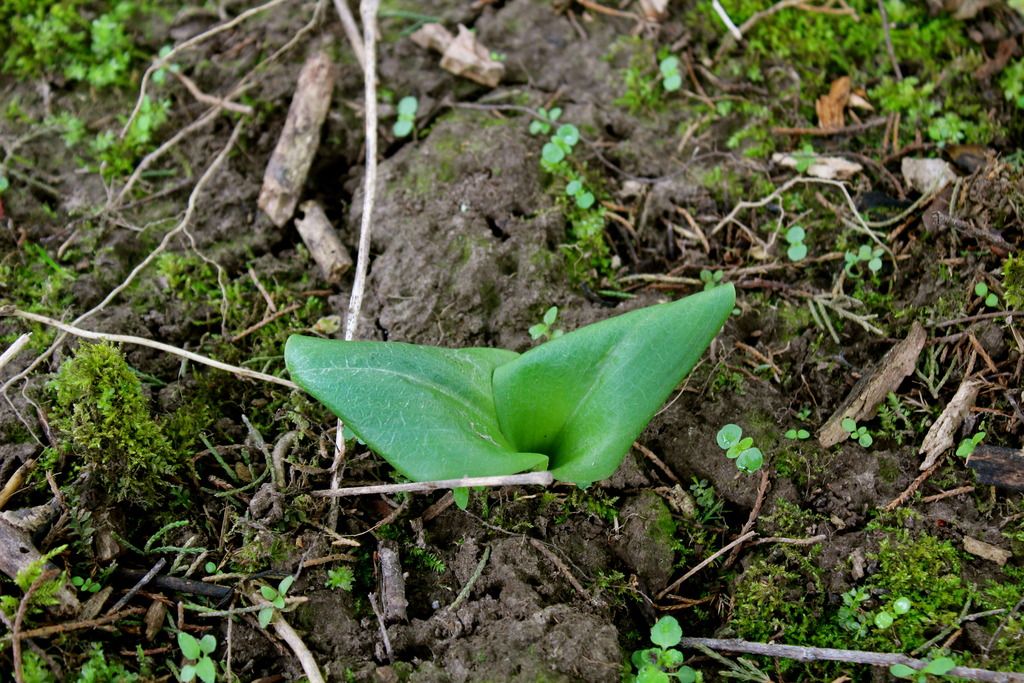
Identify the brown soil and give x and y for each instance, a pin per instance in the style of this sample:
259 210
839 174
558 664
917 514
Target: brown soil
468 251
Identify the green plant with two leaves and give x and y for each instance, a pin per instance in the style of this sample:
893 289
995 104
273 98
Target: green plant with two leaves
864 254
797 250
548 117
671 80
938 666
546 328
858 433
572 405
663 663
990 298
197 652
407 108
730 439
967 446
276 598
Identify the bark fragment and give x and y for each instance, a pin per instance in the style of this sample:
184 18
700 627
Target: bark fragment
872 389
289 164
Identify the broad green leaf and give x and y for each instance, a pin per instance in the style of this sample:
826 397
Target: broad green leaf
901 671
188 673
686 675
428 411
402 128
671 658
188 645
901 606
407 106
750 460
651 674
552 153
207 644
265 615
939 666
268 592
728 436
582 399
461 497
883 620
206 670
285 584
666 632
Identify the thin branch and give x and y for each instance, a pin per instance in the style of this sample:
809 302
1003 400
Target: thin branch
19 619
142 341
368 14
818 654
888 41
14 349
294 641
46 631
211 100
474 577
721 551
529 478
348 23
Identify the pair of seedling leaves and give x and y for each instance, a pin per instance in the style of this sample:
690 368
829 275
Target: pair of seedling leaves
573 405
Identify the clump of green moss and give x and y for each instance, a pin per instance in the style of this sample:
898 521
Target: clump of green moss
926 571
106 426
771 603
1013 281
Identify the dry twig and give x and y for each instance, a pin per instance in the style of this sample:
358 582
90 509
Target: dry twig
818 654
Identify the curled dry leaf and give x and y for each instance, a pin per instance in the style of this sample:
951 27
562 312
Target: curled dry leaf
462 55
829 168
830 107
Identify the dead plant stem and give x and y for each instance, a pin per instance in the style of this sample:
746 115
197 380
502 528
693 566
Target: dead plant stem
817 654
142 341
368 15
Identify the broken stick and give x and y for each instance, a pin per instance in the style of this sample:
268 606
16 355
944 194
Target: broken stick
289 164
865 396
323 242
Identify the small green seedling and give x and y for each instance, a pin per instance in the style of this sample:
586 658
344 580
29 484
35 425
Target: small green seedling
940 666
804 158
872 256
548 117
748 458
572 405
671 80
546 328
857 433
340 578
197 652
160 75
797 250
967 446
561 144
711 279
991 298
275 596
85 584
584 197
407 108
885 618
662 663
4 184
797 434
